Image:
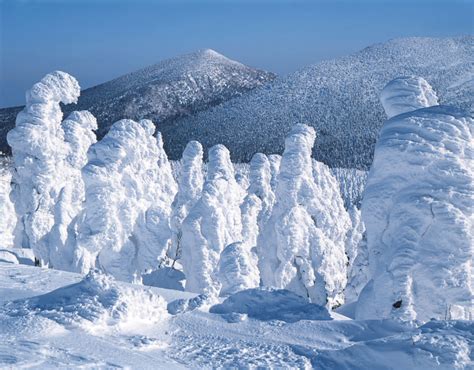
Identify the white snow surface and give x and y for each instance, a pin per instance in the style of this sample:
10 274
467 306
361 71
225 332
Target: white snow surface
417 209
36 333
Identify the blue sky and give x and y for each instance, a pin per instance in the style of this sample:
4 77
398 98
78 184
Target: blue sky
102 39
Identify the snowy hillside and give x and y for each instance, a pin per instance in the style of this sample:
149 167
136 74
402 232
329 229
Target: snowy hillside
162 92
338 97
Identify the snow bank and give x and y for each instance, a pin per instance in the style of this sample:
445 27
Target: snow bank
417 209
271 304
406 94
213 223
95 304
190 182
39 152
301 247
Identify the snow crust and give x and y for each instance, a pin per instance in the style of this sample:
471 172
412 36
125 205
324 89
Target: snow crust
417 209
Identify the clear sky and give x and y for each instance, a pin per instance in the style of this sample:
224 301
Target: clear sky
102 39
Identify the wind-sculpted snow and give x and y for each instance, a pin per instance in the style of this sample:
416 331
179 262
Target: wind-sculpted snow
78 136
271 304
406 94
124 225
238 269
301 247
39 153
339 98
213 223
190 182
417 209
94 304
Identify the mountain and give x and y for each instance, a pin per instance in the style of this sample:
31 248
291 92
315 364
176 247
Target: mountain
340 98
162 92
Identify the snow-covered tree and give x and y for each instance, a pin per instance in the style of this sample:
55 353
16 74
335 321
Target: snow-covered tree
79 136
190 182
417 209
275 160
39 151
301 249
238 269
124 226
168 187
358 260
213 223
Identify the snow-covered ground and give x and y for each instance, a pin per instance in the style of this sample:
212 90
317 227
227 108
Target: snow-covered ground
35 333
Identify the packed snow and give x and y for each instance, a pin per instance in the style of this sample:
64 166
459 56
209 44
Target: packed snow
282 262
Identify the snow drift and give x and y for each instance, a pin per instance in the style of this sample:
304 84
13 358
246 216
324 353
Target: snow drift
95 304
417 209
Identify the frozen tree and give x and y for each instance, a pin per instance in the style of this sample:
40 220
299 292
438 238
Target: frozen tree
260 184
238 269
123 228
213 223
79 136
190 184
356 251
275 160
296 253
417 209
166 181
39 152
250 209
7 209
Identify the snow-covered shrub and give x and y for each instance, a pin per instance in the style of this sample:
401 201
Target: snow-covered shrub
190 182
79 136
417 209
39 152
213 223
301 247
238 269
124 225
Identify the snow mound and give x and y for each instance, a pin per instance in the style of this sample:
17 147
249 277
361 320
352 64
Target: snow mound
271 304
95 303
435 345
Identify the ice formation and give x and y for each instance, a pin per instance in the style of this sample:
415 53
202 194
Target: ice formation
417 209
79 135
295 252
124 225
7 209
190 182
238 269
39 152
213 223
